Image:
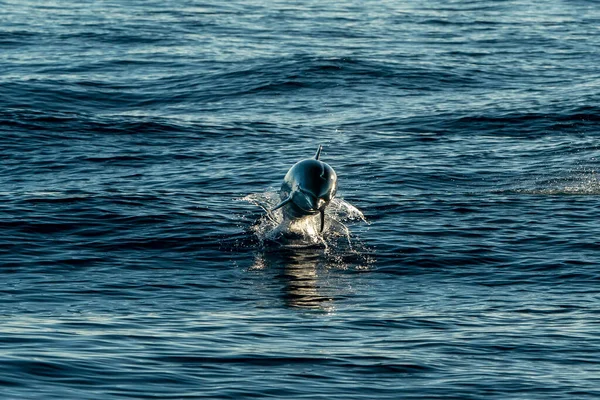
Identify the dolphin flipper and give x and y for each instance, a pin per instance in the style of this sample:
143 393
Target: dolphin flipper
318 152
322 219
283 203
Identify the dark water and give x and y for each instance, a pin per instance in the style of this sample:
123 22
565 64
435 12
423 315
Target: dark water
465 131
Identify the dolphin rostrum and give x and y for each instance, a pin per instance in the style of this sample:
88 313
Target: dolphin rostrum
307 189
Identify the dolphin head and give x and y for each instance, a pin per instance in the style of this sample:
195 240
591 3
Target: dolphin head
307 188
313 184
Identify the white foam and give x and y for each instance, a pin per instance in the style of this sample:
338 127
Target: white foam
272 227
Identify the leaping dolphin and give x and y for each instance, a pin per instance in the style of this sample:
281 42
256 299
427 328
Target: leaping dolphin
307 189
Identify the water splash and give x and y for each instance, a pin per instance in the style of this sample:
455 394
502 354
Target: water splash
583 182
271 228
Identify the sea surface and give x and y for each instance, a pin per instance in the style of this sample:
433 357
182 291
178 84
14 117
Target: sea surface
141 140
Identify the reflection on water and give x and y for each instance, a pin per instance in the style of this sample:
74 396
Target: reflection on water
298 255
299 271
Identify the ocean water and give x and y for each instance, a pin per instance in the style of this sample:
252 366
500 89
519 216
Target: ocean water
140 139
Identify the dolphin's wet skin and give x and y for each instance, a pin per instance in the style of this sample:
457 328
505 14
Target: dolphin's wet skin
307 189
167 230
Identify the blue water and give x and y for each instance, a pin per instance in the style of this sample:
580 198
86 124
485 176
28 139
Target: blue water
138 140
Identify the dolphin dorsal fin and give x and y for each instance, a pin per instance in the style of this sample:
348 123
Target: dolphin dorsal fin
318 152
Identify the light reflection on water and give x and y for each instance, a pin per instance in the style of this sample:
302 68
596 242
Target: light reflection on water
298 271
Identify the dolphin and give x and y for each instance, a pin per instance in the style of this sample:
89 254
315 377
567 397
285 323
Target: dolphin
308 187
